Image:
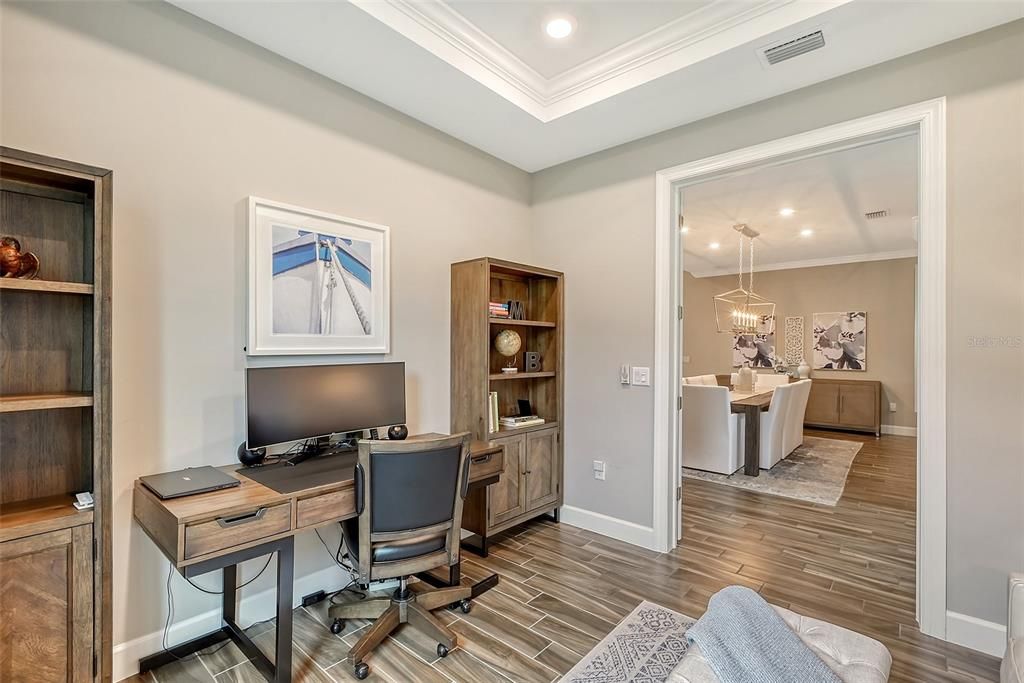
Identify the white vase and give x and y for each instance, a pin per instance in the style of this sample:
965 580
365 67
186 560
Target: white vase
746 383
803 370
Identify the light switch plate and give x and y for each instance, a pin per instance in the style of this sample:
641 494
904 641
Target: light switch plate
623 374
641 377
686 359
892 407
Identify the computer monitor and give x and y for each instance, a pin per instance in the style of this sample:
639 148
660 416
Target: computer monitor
308 401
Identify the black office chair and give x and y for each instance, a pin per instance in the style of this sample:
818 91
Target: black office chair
409 498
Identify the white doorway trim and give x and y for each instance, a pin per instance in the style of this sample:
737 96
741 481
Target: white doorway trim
929 119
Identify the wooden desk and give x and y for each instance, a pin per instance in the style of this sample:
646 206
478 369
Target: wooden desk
751 406
217 530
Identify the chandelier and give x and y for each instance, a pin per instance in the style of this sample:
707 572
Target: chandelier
742 310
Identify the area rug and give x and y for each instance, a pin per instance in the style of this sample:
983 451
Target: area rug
815 472
644 647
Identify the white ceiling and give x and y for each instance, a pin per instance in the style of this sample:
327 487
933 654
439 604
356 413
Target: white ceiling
484 73
518 27
830 195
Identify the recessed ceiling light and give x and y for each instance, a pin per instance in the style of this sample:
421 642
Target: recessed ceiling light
558 28
714 245
806 232
786 211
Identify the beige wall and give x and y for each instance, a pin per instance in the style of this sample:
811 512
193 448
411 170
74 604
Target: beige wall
884 289
193 120
594 219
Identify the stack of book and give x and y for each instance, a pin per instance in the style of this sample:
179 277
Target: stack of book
492 411
512 422
498 310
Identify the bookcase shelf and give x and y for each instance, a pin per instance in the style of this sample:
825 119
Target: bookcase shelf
531 482
504 377
56 287
524 323
55 413
40 515
69 399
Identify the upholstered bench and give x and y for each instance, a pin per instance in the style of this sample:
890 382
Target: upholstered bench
854 657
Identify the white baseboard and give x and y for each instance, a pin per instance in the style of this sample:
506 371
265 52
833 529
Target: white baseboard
897 430
619 529
252 608
977 634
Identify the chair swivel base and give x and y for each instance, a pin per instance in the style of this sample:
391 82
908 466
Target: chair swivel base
403 607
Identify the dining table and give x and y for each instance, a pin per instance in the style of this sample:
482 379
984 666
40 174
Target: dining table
751 405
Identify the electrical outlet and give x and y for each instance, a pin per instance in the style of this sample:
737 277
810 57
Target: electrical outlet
892 406
686 359
599 470
623 374
641 377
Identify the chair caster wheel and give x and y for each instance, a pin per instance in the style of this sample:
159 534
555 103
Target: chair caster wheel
466 606
337 626
361 670
442 651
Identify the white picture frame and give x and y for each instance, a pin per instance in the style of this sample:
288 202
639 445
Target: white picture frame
319 283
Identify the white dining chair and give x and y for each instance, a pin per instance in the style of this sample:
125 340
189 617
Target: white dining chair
793 433
773 425
712 434
764 380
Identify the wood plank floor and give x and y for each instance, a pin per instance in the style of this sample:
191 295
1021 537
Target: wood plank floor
562 588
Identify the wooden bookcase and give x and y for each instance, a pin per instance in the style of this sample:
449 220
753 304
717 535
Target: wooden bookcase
55 422
531 483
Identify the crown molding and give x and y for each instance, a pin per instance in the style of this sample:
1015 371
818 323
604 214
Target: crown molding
812 263
698 35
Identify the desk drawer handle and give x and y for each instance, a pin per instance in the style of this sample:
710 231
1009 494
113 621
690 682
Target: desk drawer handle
228 522
480 459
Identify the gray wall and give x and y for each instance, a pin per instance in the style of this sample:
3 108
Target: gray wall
192 120
884 289
594 218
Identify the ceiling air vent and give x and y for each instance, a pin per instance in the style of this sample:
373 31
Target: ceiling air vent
793 48
872 215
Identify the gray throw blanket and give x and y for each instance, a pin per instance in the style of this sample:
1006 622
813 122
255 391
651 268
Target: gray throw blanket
745 640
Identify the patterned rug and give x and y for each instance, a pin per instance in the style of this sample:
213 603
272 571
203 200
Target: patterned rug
815 472
644 647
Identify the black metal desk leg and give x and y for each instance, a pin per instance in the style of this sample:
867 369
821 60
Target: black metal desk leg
285 575
229 605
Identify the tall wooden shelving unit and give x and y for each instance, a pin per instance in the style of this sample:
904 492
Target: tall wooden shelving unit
531 483
55 423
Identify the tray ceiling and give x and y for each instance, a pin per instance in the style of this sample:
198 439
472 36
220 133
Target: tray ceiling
485 72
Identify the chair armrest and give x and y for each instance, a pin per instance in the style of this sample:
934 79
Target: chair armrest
1015 621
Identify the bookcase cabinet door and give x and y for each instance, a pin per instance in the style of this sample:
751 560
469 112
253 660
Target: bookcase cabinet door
823 404
507 499
858 406
46 630
542 472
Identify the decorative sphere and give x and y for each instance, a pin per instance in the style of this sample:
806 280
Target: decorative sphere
508 342
398 432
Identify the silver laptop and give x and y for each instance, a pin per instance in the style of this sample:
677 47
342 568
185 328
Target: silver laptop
188 481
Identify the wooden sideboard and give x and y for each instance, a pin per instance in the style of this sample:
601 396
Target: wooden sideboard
853 404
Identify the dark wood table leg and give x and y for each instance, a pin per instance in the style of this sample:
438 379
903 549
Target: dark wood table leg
752 441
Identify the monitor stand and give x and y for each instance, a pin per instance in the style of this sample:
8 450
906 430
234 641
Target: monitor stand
314 448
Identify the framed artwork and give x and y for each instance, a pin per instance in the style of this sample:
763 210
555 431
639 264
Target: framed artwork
756 349
794 340
318 283
840 341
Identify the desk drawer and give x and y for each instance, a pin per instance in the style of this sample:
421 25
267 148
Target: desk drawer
481 466
325 507
237 529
